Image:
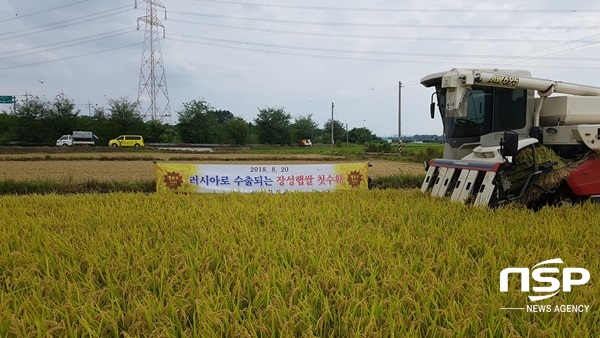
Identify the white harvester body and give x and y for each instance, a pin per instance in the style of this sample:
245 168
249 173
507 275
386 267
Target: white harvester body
479 106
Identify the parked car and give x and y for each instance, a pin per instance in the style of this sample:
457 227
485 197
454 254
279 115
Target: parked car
127 141
305 143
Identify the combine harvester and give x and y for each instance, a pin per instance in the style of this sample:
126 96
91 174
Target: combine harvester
504 144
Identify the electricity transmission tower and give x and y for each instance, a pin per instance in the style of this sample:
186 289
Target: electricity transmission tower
153 83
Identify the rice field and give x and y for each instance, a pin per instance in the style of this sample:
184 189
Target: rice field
364 263
81 167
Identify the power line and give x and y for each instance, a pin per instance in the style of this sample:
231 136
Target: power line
389 25
544 57
524 57
303 54
374 37
406 10
396 61
65 44
70 57
521 57
64 23
367 52
410 84
20 16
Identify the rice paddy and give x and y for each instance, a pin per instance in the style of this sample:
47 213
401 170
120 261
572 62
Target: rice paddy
377 263
363 263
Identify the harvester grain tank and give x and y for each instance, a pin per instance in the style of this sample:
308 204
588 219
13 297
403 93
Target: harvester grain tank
504 143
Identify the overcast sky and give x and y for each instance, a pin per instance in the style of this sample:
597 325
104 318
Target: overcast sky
301 55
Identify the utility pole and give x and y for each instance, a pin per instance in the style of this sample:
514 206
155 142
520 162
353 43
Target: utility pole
399 112
332 141
152 71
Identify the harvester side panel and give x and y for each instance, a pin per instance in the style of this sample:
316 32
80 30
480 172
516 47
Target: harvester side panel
486 190
438 181
459 185
445 182
428 179
468 185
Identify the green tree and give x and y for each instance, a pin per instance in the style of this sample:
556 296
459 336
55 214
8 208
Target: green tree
304 127
273 126
61 118
222 116
170 135
7 123
361 135
29 126
43 122
160 132
99 124
198 125
237 131
100 114
124 117
339 132
63 107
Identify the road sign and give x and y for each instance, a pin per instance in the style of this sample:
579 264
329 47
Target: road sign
7 99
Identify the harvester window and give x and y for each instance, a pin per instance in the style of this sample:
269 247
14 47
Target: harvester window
509 109
485 110
474 118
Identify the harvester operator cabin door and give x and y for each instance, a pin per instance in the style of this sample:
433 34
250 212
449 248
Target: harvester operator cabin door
475 116
486 110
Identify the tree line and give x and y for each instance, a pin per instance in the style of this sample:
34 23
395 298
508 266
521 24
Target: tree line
39 121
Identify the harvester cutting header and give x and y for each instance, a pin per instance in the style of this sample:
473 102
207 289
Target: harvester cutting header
503 143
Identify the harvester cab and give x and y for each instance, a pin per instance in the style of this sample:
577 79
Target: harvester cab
504 143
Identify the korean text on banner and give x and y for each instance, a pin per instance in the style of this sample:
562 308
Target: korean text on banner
252 178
